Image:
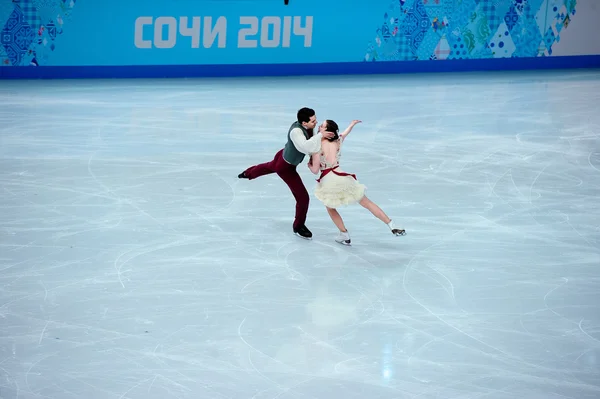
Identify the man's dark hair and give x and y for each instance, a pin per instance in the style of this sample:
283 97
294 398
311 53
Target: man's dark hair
304 114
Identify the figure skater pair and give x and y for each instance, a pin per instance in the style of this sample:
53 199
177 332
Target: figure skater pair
334 187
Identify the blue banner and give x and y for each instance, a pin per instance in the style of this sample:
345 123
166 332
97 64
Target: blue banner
231 32
143 32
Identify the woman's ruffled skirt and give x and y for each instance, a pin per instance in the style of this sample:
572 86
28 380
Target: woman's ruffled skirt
335 191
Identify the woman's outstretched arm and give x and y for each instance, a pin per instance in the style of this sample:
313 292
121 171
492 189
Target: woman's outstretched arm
349 128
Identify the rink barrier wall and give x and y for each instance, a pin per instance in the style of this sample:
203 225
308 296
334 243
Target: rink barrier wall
332 68
57 39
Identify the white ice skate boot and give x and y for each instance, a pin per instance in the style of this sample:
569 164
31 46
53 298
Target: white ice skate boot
343 238
396 231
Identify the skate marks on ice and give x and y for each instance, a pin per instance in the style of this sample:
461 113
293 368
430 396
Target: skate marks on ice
519 210
135 265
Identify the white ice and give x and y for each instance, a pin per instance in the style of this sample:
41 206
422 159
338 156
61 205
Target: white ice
135 264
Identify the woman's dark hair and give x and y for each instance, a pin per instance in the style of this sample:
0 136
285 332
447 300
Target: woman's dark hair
332 127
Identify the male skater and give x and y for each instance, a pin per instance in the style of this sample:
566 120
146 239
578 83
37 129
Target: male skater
300 142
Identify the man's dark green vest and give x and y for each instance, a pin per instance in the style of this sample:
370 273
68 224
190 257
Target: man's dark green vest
290 153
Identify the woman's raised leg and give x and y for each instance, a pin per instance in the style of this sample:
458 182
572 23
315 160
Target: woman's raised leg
380 214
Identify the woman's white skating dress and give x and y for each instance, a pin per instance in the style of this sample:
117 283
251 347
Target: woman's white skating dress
335 187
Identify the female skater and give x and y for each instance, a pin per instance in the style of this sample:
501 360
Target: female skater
335 187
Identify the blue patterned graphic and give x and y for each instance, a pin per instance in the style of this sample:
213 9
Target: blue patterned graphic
469 29
28 35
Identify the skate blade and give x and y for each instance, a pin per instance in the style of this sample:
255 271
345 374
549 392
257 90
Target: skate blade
346 243
306 238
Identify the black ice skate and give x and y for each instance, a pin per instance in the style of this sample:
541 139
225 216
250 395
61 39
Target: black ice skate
303 232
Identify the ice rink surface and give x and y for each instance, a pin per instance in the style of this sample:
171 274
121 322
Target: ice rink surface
134 264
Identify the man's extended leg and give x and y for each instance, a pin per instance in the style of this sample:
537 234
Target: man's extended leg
261 169
294 182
